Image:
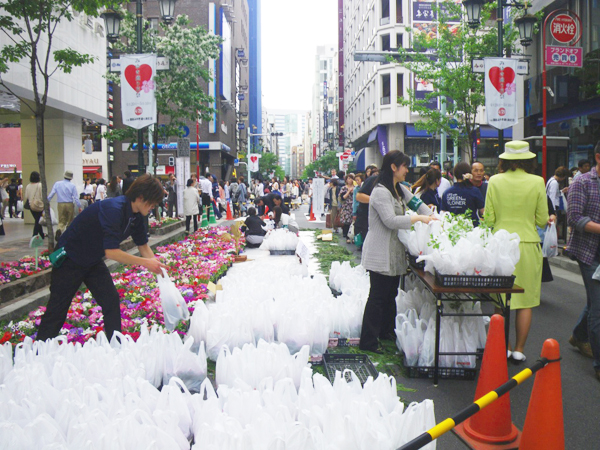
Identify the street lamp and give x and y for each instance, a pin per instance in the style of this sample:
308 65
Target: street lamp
112 22
525 26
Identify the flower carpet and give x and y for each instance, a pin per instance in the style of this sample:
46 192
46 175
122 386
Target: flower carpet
202 257
15 270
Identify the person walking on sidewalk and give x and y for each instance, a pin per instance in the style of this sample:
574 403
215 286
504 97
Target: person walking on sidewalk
191 200
66 194
33 195
516 202
13 198
584 242
383 254
94 234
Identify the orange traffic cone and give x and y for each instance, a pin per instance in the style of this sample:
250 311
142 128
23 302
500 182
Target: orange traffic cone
491 427
229 215
312 215
544 426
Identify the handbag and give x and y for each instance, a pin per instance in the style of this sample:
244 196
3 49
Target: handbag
26 204
338 221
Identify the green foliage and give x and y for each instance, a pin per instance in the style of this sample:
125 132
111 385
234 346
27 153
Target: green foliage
455 45
330 251
268 164
325 163
179 93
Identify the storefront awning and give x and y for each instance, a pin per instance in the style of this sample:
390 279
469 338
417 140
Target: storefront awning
372 136
487 132
360 160
92 169
412 132
571 112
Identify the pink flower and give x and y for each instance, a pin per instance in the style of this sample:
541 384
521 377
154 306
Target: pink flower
511 88
147 86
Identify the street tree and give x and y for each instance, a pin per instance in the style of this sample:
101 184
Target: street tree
324 164
31 25
268 166
180 96
442 57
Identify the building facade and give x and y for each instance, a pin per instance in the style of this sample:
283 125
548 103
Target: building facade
322 98
292 124
255 125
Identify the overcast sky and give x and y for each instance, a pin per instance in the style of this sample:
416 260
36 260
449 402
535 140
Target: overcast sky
291 32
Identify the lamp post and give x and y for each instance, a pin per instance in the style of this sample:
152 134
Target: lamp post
112 21
525 25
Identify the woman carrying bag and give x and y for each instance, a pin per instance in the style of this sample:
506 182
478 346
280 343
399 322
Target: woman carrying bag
33 198
383 254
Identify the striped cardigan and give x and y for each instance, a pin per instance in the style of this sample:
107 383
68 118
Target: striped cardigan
382 250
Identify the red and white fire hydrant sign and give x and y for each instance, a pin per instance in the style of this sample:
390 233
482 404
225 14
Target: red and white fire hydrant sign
563 28
557 55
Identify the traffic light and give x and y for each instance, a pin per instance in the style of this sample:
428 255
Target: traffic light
277 134
171 161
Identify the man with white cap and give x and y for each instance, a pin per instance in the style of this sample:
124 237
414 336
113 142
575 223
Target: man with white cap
66 194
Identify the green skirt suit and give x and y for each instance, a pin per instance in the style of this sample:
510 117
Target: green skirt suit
516 202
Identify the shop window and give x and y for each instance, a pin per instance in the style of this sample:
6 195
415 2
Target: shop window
385 43
385 89
385 12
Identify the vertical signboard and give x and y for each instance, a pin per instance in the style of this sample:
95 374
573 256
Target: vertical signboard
138 104
341 111
318 197
212 67
501 92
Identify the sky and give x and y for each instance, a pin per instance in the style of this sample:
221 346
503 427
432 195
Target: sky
291 32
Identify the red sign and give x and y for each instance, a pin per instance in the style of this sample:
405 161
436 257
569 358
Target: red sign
564 56
314 151
563 28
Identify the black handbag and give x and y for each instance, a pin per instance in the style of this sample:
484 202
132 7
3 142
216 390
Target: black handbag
26 205
546 272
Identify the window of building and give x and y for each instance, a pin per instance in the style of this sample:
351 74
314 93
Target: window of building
385 12
153 23
399 40
400 85
385 43
398 11
385 89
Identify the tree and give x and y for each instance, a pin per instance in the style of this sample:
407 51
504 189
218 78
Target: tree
269 164
324 164
443 57
179 94
31 25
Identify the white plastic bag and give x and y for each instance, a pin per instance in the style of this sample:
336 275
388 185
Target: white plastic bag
52 216
550 245
173 304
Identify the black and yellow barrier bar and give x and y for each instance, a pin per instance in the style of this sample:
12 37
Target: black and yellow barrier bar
475 407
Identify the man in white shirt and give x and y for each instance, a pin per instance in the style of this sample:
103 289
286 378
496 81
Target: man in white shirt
66 194
444 183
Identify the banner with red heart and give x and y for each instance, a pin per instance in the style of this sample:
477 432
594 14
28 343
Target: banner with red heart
253 162
501 92
138 104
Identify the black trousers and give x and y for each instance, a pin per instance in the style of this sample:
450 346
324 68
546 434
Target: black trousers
65 282
172 206
12 203
379 319
187 222
37 228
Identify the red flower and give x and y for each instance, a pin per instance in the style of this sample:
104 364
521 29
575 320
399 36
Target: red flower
6 337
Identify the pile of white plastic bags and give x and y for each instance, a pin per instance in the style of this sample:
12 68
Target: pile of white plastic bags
279 239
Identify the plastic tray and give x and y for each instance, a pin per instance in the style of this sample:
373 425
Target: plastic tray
361 365
475 281
282 252
412 260
453 373
344 342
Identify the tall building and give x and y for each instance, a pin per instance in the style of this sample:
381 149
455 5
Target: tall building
255 124
323 74
292 124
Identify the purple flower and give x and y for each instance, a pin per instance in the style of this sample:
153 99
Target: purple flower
147 86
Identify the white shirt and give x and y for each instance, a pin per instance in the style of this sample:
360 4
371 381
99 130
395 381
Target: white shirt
101 192
206 186
553 191
444 184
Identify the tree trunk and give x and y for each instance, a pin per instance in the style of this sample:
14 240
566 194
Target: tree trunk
39 124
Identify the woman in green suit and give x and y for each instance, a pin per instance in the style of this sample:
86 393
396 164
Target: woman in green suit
516 202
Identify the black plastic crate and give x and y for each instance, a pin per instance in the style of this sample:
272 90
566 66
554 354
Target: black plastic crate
452 373
475 281
361 365
282 252
412 260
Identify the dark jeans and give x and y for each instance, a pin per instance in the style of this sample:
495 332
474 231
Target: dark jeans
12 203
345 228
379 319
66 280
587 328
172 205
361 226
37 228
187 223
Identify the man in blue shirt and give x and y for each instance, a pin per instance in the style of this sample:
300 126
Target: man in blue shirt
94 234
66 194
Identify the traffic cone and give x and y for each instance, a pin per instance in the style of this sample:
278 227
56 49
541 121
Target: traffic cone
492 427
312 215
211 215
204 222
229 215
544 426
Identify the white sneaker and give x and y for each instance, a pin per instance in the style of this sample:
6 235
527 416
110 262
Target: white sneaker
518 356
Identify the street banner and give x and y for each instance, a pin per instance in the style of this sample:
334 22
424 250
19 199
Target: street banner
138 104
382 139
318 201
253 162
501 92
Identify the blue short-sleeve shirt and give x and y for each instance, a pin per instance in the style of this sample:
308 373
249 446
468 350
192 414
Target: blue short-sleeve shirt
102 226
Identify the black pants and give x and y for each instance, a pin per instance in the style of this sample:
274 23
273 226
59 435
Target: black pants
187 222
379 319
172 206
361 226
12 203
345 229
66 280
37 228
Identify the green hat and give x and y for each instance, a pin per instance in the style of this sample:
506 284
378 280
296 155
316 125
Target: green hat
517 150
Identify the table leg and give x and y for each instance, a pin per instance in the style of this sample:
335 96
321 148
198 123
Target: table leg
437 341
507 320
